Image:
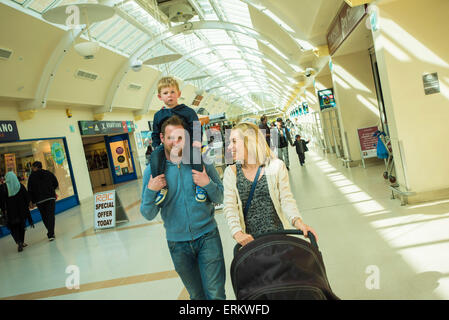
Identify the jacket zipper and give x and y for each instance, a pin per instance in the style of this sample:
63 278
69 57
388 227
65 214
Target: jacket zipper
185 204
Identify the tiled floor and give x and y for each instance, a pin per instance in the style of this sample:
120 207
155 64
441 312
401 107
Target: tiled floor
373 247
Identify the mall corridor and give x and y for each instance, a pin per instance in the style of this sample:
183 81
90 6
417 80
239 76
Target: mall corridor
361 232
87 85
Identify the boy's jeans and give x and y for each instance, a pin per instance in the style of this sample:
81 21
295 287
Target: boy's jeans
200 264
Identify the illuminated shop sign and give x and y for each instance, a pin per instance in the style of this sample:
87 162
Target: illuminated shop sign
8 131
105 127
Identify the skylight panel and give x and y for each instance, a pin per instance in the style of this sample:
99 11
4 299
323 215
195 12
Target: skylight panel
40 5
124 36
216 36
104 26
134 42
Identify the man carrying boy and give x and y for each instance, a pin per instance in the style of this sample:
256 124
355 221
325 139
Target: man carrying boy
169 93
191 230
301 148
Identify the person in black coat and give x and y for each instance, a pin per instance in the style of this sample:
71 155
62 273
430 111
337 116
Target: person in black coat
14 202
301 148
41 187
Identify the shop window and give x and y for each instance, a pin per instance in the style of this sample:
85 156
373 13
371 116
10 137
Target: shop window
19 156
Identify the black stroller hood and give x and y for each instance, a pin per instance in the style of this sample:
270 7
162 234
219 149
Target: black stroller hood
280 267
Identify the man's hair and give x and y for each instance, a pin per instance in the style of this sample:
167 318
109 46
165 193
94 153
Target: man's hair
172 121
37 164
263 118
167 82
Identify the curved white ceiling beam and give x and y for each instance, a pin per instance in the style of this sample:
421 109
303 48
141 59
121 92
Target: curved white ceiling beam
198 25
205 68
149 97
299 34
260 76
254 53
50 69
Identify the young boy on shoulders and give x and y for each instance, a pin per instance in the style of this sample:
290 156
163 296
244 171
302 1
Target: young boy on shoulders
169 93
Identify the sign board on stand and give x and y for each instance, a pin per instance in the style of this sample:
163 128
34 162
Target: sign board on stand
108 210
367 142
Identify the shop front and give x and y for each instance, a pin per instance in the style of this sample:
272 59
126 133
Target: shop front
108 152
18 155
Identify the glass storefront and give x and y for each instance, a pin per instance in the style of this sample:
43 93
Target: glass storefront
18 157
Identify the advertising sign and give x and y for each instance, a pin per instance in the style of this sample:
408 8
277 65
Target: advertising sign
368 142
326 98
8 131
105 127
104 210
10 162
57 152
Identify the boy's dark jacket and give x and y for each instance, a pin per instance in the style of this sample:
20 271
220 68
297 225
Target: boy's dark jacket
301 146
186 113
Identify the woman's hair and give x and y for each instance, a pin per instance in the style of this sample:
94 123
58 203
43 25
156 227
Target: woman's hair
255 143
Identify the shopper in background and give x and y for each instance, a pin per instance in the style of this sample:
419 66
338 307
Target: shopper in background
301 148
14 203
265 128
41 187
283 140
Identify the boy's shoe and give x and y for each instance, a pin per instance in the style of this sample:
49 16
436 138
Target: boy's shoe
200 195
161 196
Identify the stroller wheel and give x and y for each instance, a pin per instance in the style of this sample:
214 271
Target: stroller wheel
386 175
392 179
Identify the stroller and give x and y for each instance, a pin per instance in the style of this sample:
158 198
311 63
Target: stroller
276 266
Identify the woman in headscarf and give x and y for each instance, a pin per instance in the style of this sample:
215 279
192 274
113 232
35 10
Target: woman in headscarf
14 202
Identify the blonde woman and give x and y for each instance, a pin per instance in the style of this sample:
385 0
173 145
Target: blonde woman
273 207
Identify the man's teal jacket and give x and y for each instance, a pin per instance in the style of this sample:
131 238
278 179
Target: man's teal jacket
184 218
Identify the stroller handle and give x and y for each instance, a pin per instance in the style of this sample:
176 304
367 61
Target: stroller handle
310 236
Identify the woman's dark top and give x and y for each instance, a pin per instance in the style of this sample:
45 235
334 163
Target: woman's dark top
261 217
17 207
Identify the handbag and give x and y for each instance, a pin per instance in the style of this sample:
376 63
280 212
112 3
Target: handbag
251 193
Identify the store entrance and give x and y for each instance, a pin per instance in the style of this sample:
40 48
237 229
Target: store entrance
109 161
98 163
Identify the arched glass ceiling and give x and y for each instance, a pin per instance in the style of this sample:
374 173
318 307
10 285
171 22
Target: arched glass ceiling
134 26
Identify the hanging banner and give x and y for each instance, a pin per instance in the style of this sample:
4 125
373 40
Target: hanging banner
104 210
343 24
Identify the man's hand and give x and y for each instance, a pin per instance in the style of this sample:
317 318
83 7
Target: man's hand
243 238
158 183
200 178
